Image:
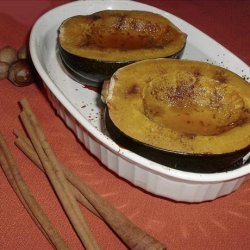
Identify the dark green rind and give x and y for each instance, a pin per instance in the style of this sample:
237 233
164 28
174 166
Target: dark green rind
93 72
196 163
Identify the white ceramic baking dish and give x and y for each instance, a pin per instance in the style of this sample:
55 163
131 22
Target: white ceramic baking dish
82 110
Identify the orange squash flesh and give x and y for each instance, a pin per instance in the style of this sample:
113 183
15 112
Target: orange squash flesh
180 106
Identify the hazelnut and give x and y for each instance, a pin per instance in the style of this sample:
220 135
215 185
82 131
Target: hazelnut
4 67
8 54
21 73
22 52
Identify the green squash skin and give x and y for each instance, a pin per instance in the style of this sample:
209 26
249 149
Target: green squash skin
195 163
93 72
90 71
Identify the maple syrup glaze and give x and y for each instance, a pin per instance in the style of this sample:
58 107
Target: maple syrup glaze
124 41
127 33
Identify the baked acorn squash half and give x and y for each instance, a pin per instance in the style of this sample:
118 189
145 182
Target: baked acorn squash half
188 115
93 47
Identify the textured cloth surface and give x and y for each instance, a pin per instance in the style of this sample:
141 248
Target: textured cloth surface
220 224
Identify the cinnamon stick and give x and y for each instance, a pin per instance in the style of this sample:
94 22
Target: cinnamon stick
20 187
56 176
11 180
24 144
132 235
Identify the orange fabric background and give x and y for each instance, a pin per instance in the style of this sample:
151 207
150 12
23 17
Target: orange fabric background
220 224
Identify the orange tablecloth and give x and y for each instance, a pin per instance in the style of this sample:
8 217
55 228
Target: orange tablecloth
220 224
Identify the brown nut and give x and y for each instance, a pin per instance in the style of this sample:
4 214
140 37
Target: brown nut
21 73
22 52
4 67
8 54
